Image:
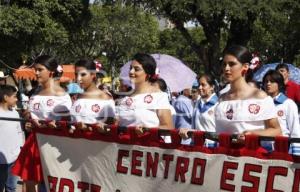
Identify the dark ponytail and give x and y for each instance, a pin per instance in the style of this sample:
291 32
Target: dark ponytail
243 55
149 65
50 63
211 81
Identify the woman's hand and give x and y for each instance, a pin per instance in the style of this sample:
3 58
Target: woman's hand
52 124
28 126
139 130
101 127
241 137
183 132
26 114
82 126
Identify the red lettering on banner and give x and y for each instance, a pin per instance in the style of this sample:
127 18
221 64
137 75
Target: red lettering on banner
95 188
167 159
63 182
296 180
136 162
83 186
247 177
66 183
152 164
182 167
228 176
272 173
120 167
52 183
198 163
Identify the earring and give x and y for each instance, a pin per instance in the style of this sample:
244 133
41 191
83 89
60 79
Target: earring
244 72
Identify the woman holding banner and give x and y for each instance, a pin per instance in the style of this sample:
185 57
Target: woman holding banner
203 118
286 109
243 109
204 112
93 106
49 104
146 106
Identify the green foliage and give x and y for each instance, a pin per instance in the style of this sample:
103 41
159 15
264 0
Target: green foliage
73 29
277 37
171 42
32 27
117 31
260 24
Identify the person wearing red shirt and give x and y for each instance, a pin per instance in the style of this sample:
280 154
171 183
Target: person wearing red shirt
292 89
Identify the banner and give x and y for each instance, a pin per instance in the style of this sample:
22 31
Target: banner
88 161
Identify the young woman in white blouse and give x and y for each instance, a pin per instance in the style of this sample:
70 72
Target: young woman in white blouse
243 109
286 109
50 103
93 106
146 106
204 112
203 118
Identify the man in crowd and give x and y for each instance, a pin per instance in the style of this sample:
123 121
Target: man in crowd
292 89
184 109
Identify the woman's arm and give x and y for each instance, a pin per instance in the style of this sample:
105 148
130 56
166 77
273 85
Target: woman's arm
272 129
165 119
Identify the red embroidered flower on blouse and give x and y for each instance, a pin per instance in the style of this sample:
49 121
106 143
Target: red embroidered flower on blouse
77 108
229 114
254 108
280 113
96 108
50 102
129 101
36 106
148 99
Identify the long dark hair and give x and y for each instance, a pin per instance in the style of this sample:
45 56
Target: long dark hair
86 63
211 81
89 65
243 55
50 63
275 76
149 65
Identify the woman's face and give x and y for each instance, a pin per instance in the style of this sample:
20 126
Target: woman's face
42 73
271 87
137 73
84 78
205 89
233 69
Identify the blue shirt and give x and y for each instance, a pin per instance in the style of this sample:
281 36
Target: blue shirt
184 111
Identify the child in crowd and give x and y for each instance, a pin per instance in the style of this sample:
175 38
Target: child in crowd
11 137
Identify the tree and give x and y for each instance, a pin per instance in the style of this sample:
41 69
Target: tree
29 28
278 37
171 42
117 31
224 23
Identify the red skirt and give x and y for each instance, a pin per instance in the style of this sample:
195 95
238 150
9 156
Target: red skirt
28 165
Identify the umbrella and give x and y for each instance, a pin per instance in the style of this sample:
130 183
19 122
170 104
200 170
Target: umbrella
25 72
74 88
294 72
177 75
